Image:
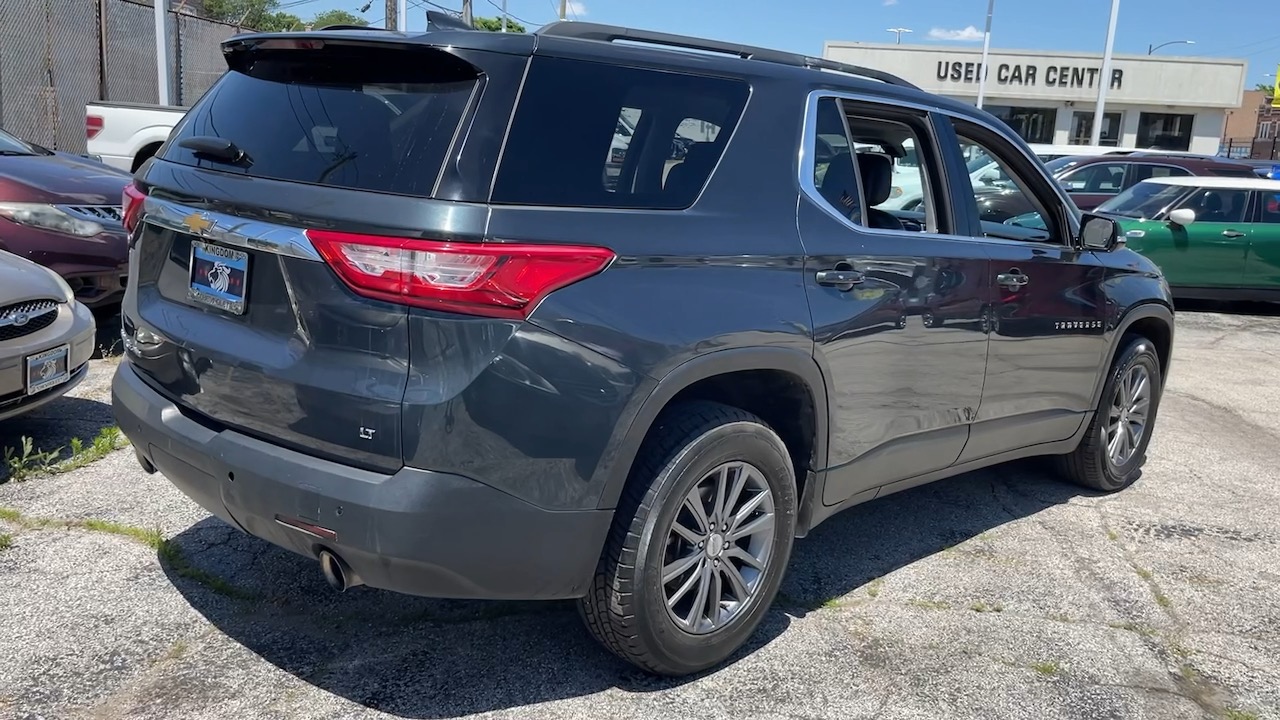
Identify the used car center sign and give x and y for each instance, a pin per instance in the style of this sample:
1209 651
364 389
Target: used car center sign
1168 81
1029 74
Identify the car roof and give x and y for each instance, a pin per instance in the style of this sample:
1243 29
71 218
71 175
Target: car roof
1214 181
1151 157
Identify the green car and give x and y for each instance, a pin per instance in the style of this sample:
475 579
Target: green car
1214 237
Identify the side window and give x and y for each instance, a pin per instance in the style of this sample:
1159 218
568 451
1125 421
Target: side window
628 119
1007 195
599 135
1139 172
872 166
1269 207
1098 178
1217 205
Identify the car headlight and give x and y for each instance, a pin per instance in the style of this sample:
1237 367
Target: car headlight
67 293
49 217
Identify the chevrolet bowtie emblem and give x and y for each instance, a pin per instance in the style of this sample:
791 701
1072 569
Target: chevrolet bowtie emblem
198 223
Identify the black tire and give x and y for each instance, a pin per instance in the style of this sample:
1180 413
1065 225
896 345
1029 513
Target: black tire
625 607
1090 464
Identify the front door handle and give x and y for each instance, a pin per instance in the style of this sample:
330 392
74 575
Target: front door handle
1232 234
1012 279
843 279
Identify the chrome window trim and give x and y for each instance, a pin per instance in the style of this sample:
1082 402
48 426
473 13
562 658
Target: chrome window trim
807 165
231 230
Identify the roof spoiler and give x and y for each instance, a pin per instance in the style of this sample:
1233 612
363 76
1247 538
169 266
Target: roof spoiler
437 20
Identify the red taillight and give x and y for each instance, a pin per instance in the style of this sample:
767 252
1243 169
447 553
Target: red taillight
493 279
92 126
131 206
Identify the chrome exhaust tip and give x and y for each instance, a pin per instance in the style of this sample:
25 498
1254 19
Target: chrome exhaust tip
337 572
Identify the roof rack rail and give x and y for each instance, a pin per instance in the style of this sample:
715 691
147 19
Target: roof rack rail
611 33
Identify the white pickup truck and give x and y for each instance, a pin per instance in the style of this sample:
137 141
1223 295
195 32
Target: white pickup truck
125 134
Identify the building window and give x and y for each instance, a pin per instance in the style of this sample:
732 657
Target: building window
1035 125
1082 128
1164 131
1266 130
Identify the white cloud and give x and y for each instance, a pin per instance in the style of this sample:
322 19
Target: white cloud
888 3
969 34
576 8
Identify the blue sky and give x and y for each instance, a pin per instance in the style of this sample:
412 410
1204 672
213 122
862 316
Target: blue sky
1247 31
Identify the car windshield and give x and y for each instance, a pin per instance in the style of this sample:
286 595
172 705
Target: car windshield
10 145
1144 200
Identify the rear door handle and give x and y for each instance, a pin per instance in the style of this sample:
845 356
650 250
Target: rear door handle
1232 233
839 278
1013 278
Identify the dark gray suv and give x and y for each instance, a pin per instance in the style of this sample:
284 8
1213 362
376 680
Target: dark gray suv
409 305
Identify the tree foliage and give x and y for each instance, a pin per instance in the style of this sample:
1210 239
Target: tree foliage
337 17
264 15
494 24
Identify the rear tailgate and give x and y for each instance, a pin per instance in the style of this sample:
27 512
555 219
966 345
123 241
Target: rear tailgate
232 310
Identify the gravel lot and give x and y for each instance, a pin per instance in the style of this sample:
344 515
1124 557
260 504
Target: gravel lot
998 594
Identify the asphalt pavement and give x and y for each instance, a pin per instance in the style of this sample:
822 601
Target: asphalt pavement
997 594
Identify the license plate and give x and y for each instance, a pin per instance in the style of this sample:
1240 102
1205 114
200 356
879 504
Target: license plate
219 276
48 369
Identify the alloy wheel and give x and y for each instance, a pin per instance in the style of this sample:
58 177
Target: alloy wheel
718 548
1128 414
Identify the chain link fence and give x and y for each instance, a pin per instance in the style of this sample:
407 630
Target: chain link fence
59 55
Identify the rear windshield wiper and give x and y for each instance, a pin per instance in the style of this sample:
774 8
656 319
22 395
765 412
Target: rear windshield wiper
216 149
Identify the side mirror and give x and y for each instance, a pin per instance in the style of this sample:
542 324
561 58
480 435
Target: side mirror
1182 216
1100 233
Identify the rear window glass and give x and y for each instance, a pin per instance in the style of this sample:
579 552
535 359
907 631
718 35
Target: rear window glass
379 120
595 135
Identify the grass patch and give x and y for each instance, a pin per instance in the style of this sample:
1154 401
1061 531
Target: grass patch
168 551
1059 617
983 607
1112 535
1047 667
1133 627
27 460
830 603
930 604
6 541
1144 573
1238 714
875 586
1163 600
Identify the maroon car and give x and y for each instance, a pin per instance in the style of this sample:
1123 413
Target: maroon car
63 211
1094 180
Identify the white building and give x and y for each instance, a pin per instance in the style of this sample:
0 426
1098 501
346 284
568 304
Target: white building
1173 103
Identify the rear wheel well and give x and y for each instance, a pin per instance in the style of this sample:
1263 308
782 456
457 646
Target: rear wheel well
144 154
1160 335
779 398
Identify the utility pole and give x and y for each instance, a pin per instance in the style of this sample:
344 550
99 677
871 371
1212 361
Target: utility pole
986 53
402 15
564 8
504 15
1105 81
162 52
466 12
392 7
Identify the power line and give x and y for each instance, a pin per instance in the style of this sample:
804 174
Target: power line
512 15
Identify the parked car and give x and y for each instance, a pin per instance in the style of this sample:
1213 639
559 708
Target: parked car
46 336
406 328
1095 180
1213 237
63 211
125 134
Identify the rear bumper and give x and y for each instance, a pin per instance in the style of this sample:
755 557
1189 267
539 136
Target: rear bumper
416 532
